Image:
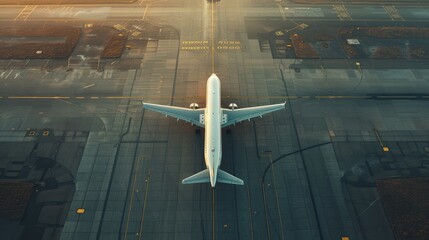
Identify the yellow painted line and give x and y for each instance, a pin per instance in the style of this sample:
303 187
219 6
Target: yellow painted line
137 10
145 203
137 18
120 97
31 11
341 97
325 97
80 210
126 4
37 97
335 20
203 97
19 14
396 97
379 139
213 211
145 11
72 5
277 196
288 97
213 47
356 97
132 197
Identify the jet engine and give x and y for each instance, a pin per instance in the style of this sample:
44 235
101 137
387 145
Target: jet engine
232 106
194 106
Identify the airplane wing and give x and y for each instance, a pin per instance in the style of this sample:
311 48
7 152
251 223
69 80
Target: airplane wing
238 115
188 115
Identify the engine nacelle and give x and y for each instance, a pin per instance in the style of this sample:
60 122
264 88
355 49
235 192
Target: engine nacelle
194 106
232 106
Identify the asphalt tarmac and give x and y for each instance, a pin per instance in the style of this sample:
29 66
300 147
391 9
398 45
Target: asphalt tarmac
337 120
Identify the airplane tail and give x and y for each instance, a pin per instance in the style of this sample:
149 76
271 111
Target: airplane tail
204 176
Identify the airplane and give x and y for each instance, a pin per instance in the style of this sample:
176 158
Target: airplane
213 118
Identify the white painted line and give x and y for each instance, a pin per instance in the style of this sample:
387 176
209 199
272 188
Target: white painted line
88 86
9 73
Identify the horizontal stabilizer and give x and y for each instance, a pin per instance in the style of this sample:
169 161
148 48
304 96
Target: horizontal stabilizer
201 177
225 177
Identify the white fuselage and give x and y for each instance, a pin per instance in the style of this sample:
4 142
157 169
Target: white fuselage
213 134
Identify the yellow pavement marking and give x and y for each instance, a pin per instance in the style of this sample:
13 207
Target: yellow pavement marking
297 19
276 193
145 11
384 147
212 36
396 96
144 202
38 97
80 211
132 197
202 97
